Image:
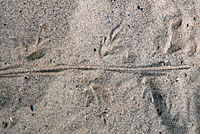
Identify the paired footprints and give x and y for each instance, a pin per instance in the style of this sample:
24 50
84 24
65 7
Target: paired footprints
175 41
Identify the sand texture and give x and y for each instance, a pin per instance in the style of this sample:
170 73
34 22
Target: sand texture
99 67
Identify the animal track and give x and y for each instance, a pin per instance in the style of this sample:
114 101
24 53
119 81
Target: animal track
176 43
177 37
156 97
158 100
37 50
97 93
114 50
114 33
37 54
192 48
162 107
109 46
175 26
130 57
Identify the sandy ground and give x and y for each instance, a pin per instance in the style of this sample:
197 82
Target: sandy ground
157 40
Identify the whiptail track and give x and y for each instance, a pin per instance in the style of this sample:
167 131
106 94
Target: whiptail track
9 71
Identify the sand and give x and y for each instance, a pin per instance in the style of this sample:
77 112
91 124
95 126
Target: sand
99 66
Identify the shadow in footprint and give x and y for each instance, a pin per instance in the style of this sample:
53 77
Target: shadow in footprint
37 54
163 111
197 110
